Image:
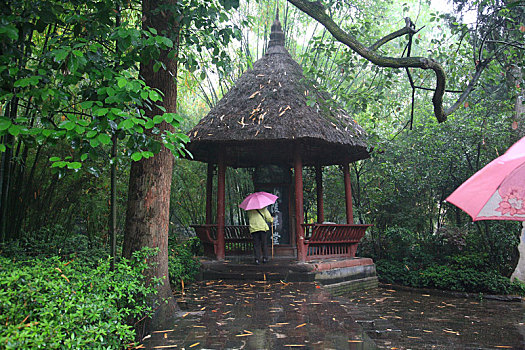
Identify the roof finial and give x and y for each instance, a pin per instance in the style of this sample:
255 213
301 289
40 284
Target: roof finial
276 35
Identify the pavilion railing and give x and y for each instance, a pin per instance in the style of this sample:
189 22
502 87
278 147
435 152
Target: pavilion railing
332 240
237 239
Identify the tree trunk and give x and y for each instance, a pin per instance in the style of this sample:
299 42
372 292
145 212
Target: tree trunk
147 216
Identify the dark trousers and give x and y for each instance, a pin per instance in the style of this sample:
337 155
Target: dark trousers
260 242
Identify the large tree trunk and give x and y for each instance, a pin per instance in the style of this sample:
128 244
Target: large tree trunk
147 216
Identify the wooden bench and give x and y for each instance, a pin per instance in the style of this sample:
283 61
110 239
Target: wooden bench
332 240
237 239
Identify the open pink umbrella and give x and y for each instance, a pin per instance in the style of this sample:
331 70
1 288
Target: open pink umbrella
258 200
496 192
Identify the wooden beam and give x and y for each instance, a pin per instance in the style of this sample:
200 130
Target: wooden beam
319 185
299 215
221 206
209 193
348 194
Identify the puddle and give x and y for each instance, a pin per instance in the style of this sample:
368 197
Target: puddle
422 321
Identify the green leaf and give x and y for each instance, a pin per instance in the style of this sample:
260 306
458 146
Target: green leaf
126 124
10 30
86 104
149 124
24 82
156 67
158 119
104 139
60 164
147 154
14 129
91 134
154 95
136 156
68 125
74 165
54 159
121 82
2 147
94 142
4 123
83 157
100 112
60 54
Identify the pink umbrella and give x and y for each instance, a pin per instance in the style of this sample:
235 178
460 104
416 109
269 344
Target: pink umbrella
258 200
496 192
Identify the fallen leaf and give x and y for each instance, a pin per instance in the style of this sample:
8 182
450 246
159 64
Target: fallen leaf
194 345
255 94
164 331
301 325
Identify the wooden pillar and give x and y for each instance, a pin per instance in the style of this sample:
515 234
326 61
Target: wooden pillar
209 193
319 185
299 215
348 194
220 206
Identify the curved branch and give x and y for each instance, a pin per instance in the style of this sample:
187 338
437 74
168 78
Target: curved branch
408 29
316 11
479 69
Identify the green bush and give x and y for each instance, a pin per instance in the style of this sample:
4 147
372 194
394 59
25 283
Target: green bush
182 263
51 303
54 240
461 277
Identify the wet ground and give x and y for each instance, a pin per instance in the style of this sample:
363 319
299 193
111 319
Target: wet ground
260 315
429 321
276 315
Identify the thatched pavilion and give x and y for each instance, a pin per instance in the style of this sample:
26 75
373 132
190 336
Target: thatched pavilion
275 120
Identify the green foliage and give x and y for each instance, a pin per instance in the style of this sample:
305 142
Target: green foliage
451 259
182 263
54 304
54 240
80 91
448 277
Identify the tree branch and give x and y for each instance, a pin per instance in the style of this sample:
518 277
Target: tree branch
479 69
408 29
316 11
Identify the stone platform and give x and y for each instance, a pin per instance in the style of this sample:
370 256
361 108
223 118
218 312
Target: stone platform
338 276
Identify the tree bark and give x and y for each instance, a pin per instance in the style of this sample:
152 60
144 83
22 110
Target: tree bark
147 216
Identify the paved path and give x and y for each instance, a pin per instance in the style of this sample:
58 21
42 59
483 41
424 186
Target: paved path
261 315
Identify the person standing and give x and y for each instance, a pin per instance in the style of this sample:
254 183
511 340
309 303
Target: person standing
258 219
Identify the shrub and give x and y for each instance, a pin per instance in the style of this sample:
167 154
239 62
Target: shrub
52 303
182 263
54 240
463 277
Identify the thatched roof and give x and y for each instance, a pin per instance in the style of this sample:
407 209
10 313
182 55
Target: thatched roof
270 111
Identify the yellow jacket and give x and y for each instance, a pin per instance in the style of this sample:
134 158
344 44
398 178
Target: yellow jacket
258 221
